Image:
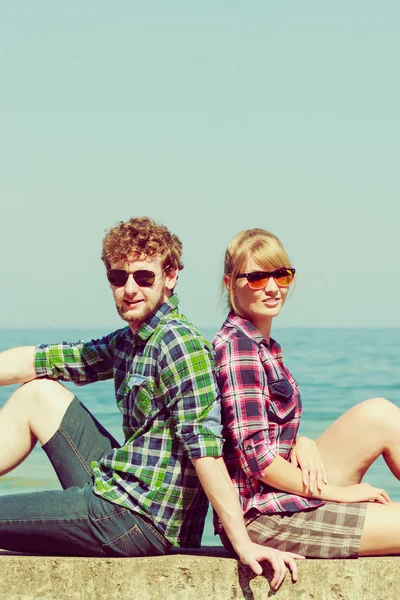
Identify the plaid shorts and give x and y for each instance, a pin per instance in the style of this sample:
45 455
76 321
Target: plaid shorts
329 531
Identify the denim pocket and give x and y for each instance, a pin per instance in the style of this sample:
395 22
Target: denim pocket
129 543
121 532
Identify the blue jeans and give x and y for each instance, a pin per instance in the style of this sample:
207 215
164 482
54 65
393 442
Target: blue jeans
75 521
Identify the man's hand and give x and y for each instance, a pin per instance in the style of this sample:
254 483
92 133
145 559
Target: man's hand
306 456
280 561
219 490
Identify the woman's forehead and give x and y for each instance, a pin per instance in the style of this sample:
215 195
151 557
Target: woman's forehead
252 264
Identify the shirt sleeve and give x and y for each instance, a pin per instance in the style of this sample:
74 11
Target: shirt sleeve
244 390
187 379
79 362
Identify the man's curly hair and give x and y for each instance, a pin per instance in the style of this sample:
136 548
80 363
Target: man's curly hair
139 238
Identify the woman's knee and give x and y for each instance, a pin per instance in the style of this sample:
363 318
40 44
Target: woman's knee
378 408
381 414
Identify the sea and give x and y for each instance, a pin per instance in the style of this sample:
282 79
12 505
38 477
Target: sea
335 369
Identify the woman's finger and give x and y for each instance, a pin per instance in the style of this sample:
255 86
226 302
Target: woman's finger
320 479
312 477
383 497
293 458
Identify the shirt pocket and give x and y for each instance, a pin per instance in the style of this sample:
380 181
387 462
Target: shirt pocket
141 397
282 403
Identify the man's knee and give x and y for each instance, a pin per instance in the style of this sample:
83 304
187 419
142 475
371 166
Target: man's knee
46 402
46 388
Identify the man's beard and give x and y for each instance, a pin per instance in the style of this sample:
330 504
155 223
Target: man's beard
134 319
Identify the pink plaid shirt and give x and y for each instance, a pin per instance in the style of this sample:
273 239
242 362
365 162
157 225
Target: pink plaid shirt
261 410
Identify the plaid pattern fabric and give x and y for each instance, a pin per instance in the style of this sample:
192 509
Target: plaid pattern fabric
330 531
166 391
261 410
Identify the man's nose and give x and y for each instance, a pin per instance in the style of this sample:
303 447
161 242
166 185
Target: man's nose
131 287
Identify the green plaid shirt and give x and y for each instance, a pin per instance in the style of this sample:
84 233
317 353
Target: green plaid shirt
166 390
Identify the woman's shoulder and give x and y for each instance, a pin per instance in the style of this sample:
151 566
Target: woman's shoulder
231 341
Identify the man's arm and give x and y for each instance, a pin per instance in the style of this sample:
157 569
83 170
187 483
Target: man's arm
219 490
188 382
16 365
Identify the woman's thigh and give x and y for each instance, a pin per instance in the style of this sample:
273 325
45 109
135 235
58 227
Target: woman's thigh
381 533
351 444
79 440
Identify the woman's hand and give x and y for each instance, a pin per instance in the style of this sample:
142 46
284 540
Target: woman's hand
364 492
306 456
253 554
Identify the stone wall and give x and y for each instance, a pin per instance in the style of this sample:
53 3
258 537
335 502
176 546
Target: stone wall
199 575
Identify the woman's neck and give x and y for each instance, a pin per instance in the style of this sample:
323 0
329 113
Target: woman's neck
264 326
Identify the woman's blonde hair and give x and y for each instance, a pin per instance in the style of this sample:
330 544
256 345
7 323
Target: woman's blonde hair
263 246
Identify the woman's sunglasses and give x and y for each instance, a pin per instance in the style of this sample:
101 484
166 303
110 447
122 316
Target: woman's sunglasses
142 277
257 280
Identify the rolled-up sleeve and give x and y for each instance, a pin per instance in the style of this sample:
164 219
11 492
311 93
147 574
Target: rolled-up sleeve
190 388
244 390
79 362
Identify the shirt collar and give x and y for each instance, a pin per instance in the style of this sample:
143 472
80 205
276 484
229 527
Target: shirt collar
147 328
248 329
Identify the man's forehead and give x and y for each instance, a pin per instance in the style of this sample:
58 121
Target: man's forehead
138 261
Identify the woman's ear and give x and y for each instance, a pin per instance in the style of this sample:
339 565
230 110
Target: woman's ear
227 282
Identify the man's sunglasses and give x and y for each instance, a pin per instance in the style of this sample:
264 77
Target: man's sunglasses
142 277
258 279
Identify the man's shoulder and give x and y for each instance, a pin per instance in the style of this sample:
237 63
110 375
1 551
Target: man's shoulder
176 328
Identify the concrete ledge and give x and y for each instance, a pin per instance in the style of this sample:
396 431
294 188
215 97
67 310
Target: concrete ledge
199 575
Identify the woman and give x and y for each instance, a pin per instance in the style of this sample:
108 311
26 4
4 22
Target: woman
297 495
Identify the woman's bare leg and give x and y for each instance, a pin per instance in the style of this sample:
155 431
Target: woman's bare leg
381 534
33 413
354 441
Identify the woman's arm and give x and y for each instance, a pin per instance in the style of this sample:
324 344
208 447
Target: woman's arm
244 393
284 476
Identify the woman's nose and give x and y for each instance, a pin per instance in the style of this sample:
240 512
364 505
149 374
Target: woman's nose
271 286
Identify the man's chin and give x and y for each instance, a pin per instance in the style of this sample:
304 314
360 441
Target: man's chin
132 317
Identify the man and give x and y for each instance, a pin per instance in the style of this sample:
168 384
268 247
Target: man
143 497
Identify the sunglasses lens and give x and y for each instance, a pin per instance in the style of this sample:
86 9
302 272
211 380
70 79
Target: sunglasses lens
144 278
257 281
117 277
284 277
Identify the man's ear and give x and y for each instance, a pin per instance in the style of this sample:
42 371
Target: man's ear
171 277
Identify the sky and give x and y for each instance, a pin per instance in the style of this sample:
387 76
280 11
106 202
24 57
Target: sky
209 117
